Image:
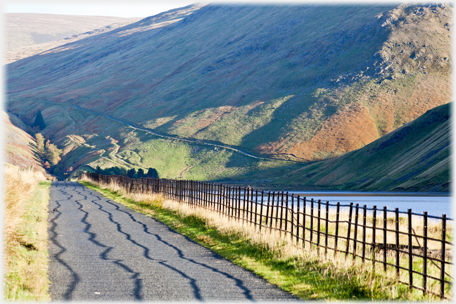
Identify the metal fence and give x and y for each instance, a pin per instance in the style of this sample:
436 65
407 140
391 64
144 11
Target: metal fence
417 247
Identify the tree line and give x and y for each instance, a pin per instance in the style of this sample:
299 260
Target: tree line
132 173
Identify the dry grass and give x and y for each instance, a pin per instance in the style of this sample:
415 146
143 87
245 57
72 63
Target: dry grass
25 235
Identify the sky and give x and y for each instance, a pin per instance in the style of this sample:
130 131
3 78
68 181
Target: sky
118 8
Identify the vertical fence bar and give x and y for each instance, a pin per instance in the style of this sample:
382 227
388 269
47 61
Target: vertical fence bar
223 201
237 195
281 213
442 256
201 194
304 223
256 209
425 229
311 222
337 229
318 225
251 205
241 201
364 232
385 228
374 224
247 198
350 213
326 229
228 202
261 208
297 220
286 214
355 237
267 212
234 203
292 218
206 195
219 198
215 196
237 203
409 211
244 204
272 209
397 243
209 196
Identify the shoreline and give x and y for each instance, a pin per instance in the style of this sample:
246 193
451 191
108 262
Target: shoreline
309 190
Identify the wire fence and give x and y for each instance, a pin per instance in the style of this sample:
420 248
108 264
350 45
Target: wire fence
417 247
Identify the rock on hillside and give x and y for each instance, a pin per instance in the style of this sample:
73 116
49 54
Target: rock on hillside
416 157
307 82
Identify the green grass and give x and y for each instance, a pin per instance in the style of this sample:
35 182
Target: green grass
307 277
192 161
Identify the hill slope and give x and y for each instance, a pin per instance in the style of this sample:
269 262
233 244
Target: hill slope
415 157
20 147
33 49
302 82
30 29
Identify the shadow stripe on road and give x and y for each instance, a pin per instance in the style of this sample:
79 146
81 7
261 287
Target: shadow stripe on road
238 282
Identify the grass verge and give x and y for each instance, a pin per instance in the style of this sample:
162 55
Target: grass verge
25 236
302 273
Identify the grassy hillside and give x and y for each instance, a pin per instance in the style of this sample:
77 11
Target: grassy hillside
20 147
415 157
29 29
304 82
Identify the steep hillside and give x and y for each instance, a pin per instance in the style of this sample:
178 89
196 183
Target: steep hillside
415 157
30 29
304 82
33 49
20 147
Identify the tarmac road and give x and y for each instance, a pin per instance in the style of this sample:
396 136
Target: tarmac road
101 250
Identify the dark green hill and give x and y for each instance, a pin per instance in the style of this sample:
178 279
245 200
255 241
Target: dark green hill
415 157
302 82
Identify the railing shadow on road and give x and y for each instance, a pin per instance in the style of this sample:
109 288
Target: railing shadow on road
196 290
92 238
53 238
104 254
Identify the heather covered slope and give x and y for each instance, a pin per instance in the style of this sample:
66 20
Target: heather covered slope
303 82
415 157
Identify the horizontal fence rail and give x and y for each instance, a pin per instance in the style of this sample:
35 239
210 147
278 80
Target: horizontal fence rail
417 247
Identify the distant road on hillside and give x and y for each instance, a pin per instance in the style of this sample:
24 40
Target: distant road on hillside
101 250
196 141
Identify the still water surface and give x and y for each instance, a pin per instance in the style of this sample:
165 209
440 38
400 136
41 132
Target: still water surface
434 204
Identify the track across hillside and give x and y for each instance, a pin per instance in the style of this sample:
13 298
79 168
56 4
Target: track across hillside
195 141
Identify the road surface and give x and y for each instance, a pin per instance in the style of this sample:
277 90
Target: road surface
101 250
